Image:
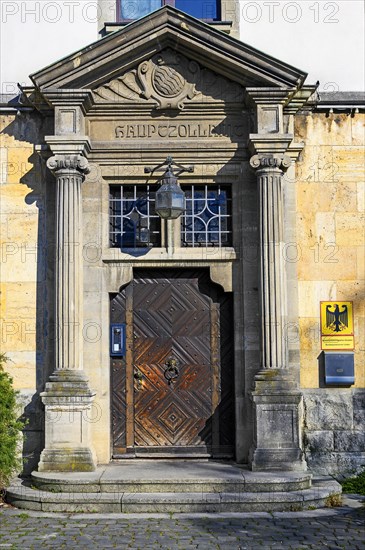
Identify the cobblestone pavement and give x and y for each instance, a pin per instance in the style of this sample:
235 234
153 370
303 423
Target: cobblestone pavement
326 528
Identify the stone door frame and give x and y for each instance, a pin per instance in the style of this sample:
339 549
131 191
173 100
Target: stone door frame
85 137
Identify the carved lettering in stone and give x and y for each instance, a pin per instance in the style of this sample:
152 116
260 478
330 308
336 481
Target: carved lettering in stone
180 130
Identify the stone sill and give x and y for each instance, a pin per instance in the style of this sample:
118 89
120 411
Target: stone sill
205 255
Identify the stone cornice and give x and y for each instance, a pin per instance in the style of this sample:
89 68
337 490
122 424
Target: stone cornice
269 144
300 99
67 97
295 149
270 96
69 145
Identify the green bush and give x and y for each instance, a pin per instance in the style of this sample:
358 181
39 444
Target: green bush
354 484
10 427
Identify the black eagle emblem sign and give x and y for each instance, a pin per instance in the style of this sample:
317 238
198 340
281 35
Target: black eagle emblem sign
337 320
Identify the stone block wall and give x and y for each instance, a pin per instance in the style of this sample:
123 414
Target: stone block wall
330 222
334 437
331 244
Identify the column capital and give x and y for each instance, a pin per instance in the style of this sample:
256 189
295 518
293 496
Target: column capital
69 163
270 162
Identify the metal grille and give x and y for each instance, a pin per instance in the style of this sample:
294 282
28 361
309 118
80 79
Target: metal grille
134 223
132 218
207 219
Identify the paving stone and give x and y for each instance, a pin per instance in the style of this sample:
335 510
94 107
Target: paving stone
343 529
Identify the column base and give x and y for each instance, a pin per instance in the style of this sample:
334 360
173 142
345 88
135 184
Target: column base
284 460
66 460
277 407
68 405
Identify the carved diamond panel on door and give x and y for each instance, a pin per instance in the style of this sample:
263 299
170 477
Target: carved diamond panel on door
174 390
171 321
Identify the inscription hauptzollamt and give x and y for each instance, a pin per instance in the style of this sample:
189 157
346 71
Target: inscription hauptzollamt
176 130
106 131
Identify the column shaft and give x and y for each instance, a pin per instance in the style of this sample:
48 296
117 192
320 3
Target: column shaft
273 289
69 304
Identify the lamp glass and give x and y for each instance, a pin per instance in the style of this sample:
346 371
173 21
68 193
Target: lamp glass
170 198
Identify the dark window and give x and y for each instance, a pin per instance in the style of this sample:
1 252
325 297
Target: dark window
134 223
208 215
201 9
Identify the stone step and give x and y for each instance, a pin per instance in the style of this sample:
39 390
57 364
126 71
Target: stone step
322 494
167 486
172 477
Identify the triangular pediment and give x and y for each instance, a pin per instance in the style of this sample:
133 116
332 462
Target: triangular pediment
167 29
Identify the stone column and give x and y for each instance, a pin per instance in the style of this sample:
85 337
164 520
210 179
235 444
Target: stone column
272 271
276 398
67 397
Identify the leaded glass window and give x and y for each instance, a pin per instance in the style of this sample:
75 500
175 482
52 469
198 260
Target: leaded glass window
207 219
134 223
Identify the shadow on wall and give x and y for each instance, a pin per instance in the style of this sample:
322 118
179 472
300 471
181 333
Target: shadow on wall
31 127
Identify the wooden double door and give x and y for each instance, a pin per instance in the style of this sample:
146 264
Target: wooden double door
173 391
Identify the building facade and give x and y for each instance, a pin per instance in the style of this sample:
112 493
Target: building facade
134 336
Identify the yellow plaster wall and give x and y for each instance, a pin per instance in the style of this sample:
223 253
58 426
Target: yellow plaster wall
18 240
330 230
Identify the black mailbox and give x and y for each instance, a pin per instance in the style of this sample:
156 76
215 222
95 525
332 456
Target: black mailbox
338 368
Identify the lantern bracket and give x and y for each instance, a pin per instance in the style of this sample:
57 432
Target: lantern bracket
168 163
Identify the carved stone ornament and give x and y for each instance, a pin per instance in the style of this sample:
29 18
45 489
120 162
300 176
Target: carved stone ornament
261 162
77 163
168 78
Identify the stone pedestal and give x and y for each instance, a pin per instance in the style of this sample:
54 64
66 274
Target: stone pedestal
276 399
67 397
277 416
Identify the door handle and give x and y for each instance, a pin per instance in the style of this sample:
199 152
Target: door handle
172 371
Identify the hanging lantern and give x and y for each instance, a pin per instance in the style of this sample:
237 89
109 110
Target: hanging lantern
170 198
